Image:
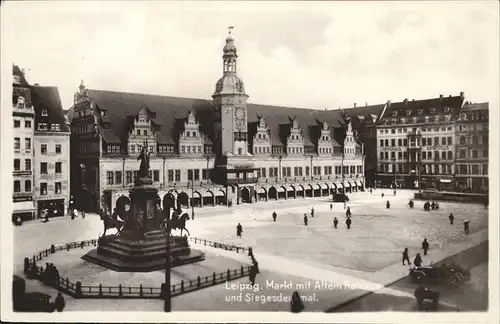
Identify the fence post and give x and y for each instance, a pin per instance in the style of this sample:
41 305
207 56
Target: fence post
182 286
78 290
242 271
26 265
82 244
228 274
100 289
120 290
237 250
199 282
205 242
140 290
213 278
163 293
52 249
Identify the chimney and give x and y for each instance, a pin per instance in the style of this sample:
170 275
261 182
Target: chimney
354 105
440 96
406 100
36 84
461 94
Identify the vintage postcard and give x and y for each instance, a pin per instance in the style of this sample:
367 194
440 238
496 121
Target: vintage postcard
250 161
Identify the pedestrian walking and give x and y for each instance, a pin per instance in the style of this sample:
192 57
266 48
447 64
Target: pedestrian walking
451 217
252 275
274 216
466 227
305 219
83 214
406 257
418 260
312 212
387 204
382 195
331 206
239 230
348 212
348 223
394 192
250 252
425 246
296 303
335 222
59 303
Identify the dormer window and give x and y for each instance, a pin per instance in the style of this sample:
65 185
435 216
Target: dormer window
420 111
55 127
408 112
44 112
43 126
145 132
394 113
432 110
17 79
103 113
138 132
447 109
447 117
426 119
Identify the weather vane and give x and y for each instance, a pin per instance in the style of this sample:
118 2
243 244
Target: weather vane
230 29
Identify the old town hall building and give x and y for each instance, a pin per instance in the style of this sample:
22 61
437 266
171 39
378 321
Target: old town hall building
209 152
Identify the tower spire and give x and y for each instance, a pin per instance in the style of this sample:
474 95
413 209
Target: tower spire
229 30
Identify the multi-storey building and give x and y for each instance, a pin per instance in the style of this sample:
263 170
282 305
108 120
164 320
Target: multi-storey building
51 152
365 119
24 121
209 152
471 150
416 142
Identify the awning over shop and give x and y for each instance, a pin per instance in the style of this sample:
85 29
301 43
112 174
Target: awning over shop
261 190
324 186
333 185
340 185
23 207
358 183
348 184
281 189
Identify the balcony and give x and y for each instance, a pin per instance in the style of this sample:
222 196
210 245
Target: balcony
242 180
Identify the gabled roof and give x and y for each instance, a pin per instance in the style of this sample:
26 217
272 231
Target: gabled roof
169 110
47 98
414 106
17 71
476 106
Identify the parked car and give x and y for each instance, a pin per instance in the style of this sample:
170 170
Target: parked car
453 274
339 197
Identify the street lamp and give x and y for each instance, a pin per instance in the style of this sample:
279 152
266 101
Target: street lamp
166 291
393 159
192 196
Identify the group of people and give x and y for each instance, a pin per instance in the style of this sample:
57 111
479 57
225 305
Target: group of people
50 275
428 206
254 270
417 262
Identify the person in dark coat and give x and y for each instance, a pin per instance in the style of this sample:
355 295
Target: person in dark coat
252 275
296 304
305 219
437 205
406 257
274 216
45 213
335 222
410 204
312 212
451 217
331 206
382 195
371 191
59 303
394 192
433 206
466 227
425 246
418 260
239 230
387 204
348 223
348 212
250 252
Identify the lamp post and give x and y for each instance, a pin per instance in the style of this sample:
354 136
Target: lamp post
393 159
420 172
166 291
343 178
192 197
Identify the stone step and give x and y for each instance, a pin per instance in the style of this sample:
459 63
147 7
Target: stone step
147 247
117 264
149 255
135 250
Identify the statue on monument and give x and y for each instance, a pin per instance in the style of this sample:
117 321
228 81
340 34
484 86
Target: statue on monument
144 157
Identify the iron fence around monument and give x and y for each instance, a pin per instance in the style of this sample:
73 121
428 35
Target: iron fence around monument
77 290
217 245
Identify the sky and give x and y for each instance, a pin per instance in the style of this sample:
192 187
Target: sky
310 55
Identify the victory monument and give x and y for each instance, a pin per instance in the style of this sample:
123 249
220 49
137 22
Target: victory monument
141 245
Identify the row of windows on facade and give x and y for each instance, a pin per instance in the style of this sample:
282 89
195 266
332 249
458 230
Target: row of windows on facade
445 155
472 169
426 141
426 168
297 171
162 149
416 120
474 139
473 116
116 177
420 111
45 127
300 150
414 129
43 187
17 123
43 166
27 146
473 127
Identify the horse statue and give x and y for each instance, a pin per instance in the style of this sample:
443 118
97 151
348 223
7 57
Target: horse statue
178 221
112 221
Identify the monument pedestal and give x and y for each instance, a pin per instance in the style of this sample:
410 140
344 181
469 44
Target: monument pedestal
142 246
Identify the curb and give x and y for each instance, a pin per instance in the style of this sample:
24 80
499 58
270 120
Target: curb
353 299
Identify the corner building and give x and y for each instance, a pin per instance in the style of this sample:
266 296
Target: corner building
210 152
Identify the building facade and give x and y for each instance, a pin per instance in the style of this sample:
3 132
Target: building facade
210 152
472 147
51 152
23 115
416 143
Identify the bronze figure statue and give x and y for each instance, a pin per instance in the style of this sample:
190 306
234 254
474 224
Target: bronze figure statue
144 157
